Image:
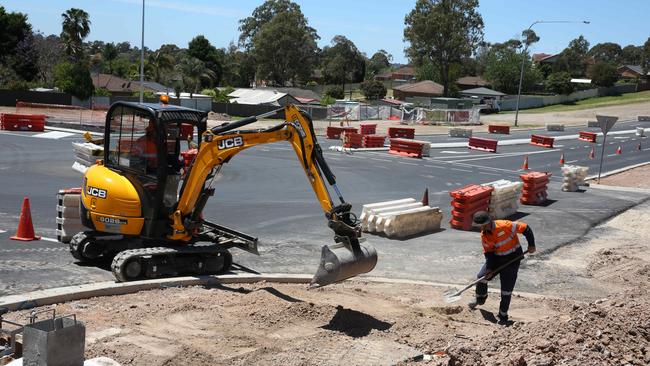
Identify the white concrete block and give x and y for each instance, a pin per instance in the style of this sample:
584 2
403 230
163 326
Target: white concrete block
375 220
460 132
554 127
640 131
367 208
413 222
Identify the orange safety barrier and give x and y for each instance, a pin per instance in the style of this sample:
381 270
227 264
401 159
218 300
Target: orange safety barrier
499 129
543 141
334 132
22 122
352 139
535 186
373 141
368 128
401 132
477 143
587 136
467 201
406 147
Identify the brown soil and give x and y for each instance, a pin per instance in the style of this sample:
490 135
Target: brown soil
372 323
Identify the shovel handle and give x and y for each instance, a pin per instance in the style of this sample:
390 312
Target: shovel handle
496 271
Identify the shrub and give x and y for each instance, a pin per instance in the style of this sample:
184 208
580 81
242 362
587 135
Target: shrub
559 83
602 74
335 92
373 89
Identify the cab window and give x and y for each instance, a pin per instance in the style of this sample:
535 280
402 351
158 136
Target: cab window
132 141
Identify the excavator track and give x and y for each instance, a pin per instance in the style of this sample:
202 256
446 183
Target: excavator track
154 262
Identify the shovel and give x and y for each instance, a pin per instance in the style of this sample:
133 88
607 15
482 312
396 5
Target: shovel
453 295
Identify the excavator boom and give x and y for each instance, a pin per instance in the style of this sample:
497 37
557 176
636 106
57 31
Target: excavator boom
347 258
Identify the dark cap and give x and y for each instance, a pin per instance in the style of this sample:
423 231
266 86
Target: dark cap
481 218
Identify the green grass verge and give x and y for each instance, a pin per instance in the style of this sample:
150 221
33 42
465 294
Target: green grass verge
628 98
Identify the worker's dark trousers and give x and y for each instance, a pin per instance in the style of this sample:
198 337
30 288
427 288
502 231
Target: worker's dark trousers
508 278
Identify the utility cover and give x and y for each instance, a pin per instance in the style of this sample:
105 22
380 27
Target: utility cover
606 123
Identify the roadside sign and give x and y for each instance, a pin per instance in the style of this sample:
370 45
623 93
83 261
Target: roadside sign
606 123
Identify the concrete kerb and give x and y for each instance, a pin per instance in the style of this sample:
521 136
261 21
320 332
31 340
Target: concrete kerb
79 292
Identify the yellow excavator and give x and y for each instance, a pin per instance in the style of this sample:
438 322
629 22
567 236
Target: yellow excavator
143 203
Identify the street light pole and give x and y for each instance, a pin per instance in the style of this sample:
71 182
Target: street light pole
142 58
523 59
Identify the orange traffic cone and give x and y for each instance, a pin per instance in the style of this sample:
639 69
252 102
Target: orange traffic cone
562 159
25 230
592 154
524 166
425 198
619 151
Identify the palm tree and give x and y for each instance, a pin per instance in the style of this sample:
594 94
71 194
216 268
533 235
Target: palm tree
160 62
76 27
110 53
194 71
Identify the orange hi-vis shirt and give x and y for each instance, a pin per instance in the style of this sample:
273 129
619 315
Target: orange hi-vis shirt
502 239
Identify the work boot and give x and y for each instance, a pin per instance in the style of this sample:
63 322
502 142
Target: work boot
503 319
475 302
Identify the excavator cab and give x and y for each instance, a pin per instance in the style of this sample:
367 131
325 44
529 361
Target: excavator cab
144 202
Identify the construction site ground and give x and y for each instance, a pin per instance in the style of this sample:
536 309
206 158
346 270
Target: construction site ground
599 314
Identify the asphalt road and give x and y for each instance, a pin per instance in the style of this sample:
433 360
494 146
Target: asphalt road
264 192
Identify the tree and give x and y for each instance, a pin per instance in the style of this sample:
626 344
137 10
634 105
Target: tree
443 32
13 29
607 52
201 49
281 42
573 59
76 26
25 58
503 68
19 54
373 89
74 78
632 55
342 62
238 67
602 74
379 62
194 73
335 92
50 51
645 58
109 53
559 83
159 63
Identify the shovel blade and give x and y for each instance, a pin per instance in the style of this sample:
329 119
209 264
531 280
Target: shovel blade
452 295
338 263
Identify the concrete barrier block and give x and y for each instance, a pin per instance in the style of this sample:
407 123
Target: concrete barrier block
503 210
640 132
554 127
367 208
413 222
593 124
68 212
460 132
644 118
374 219
71 200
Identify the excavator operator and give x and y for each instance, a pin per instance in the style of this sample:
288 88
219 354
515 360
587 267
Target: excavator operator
145 149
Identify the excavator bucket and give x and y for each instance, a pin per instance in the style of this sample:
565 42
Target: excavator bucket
338 262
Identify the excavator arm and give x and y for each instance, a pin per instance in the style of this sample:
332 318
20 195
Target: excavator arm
345 259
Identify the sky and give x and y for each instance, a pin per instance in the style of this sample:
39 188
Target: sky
371 24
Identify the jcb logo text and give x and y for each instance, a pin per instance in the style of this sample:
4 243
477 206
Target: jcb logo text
96 192
230 143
